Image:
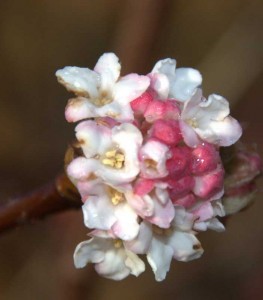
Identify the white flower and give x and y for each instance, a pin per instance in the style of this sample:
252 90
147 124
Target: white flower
161 245
170 82
155 207
205 214
106 208
153 157
101 92
110 153
208 120
112 260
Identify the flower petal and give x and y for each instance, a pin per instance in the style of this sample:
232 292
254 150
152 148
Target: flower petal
190 137
160 84
92 251
113 266
153 159
81 168
81 81
94 138
128 139
99 212
165 66
141 243
126 226
108 67
129 88
135 264
223 133
159 257
185 83
185 246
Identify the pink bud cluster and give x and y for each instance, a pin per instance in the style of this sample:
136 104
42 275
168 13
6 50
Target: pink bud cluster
150 175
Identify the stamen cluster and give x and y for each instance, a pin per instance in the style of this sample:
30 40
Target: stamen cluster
149 174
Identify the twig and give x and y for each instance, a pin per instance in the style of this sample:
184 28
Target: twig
52 198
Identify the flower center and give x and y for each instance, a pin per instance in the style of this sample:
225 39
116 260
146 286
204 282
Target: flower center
116 196
192 122
117 243
101 101
114 158
162 231
150 163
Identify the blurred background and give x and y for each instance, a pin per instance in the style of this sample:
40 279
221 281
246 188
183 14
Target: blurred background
223 39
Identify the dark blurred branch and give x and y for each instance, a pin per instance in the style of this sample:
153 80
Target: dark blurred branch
57 196
140 29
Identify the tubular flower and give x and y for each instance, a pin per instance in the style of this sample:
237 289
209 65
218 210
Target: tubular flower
209 120
101 92
109 153
111 258
147 165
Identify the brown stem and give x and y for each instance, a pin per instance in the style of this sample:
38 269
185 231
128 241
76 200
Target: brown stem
54 197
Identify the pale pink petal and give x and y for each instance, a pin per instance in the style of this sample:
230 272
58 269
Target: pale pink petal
163 213
189 135
129 88
78 109
143 205
81 168
160 84
126 226
204 211
94 138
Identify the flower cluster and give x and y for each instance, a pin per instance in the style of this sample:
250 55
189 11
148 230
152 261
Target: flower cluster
148 171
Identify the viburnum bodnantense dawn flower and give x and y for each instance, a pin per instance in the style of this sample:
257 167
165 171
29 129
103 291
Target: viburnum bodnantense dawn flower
148 167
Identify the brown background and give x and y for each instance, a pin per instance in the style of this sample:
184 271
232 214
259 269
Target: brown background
223 39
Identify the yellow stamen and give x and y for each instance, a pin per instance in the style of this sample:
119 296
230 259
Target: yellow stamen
114 158
111 153
116 196
108 162
192 122
117 243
